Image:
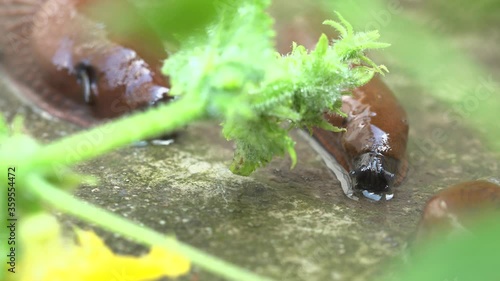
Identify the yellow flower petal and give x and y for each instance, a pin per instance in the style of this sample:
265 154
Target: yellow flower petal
166 262
93 246
53 259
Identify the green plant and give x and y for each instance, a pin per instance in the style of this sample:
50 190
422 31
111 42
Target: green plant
230 73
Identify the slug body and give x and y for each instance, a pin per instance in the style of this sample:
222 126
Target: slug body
69 61
372 150
456 208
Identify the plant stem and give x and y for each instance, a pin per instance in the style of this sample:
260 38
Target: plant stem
99 140
70 205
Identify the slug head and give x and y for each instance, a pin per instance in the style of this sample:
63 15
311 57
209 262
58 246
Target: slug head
86 70
120 82
373 172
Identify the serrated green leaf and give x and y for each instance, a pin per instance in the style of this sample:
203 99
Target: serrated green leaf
321 46
325 125
341 29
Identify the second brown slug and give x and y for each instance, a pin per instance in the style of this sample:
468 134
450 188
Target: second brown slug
67 60
372 150
454 209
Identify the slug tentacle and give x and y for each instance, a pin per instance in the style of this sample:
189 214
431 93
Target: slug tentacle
86 77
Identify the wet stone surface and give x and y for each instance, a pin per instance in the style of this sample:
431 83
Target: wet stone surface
286 224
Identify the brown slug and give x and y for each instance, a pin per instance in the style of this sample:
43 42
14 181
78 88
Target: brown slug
75 64
372 150
373 147
457 207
